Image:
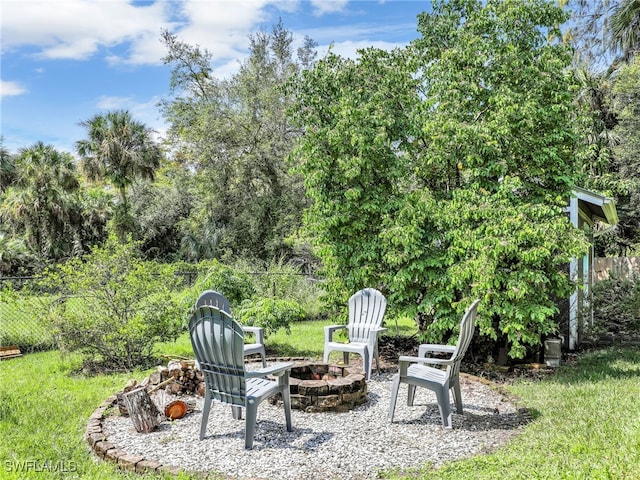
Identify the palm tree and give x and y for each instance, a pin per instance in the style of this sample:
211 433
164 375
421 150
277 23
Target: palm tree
36 206
118 149
623 31
7 169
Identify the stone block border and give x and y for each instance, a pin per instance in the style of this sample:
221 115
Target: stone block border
106 451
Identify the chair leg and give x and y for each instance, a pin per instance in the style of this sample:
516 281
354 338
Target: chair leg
411 395
444 405
457 397
394 396
286 400
345 358
250 426
236 412
325 357
205 415
264 359
366 360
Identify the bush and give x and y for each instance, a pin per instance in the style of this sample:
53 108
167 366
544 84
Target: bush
269 313
616 307
284 280
127 306
232 283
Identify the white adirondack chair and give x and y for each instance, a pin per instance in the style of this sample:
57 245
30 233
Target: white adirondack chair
366 312
216 299
415 372
218 343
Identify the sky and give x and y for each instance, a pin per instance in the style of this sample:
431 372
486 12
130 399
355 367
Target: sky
64 61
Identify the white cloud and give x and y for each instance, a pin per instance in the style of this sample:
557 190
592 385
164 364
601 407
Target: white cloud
143 112
76 29
322 7
11 89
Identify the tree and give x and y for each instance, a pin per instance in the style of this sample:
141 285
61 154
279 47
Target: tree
160 209
624 29
439 172
37 206
607 36
7 169
357 121
120 150
625 103
607 32
235 134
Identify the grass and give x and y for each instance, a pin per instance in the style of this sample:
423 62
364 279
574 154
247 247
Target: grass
587 425
586 417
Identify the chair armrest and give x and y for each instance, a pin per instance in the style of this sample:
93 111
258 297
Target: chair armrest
330 329
405 360
257 331
430 348
277 370
373 335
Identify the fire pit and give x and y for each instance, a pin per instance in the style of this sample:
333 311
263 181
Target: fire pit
320 387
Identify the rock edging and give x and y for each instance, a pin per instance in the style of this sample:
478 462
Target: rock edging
106 451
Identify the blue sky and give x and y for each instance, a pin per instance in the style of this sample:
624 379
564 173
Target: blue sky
63 61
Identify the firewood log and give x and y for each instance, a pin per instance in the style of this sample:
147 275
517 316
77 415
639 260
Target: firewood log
143 412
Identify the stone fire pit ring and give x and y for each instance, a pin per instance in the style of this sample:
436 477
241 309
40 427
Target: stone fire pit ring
322 387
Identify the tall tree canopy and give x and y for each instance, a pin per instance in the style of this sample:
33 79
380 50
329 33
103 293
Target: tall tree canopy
38 205
439 172
607 37
235 135
118 149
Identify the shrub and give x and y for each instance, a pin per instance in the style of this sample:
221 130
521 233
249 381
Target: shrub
283 279
127 306
232 283
616 306
272 314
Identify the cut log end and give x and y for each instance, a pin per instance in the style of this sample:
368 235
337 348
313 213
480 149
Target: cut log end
175 410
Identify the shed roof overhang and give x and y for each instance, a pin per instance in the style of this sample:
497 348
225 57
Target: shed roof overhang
599 207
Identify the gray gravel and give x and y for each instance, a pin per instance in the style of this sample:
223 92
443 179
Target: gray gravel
359 444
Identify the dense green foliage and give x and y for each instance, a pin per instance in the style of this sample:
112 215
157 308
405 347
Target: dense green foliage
270 313
128 306
235 135
433 172
39 204
439 172
272 296
616 308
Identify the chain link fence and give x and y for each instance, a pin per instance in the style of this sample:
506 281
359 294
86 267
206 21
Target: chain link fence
24 316
25 311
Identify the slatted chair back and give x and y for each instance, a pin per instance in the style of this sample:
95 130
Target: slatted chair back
366 311
218 344
467 327
214 299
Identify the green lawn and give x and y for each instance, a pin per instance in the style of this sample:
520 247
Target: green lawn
586 417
